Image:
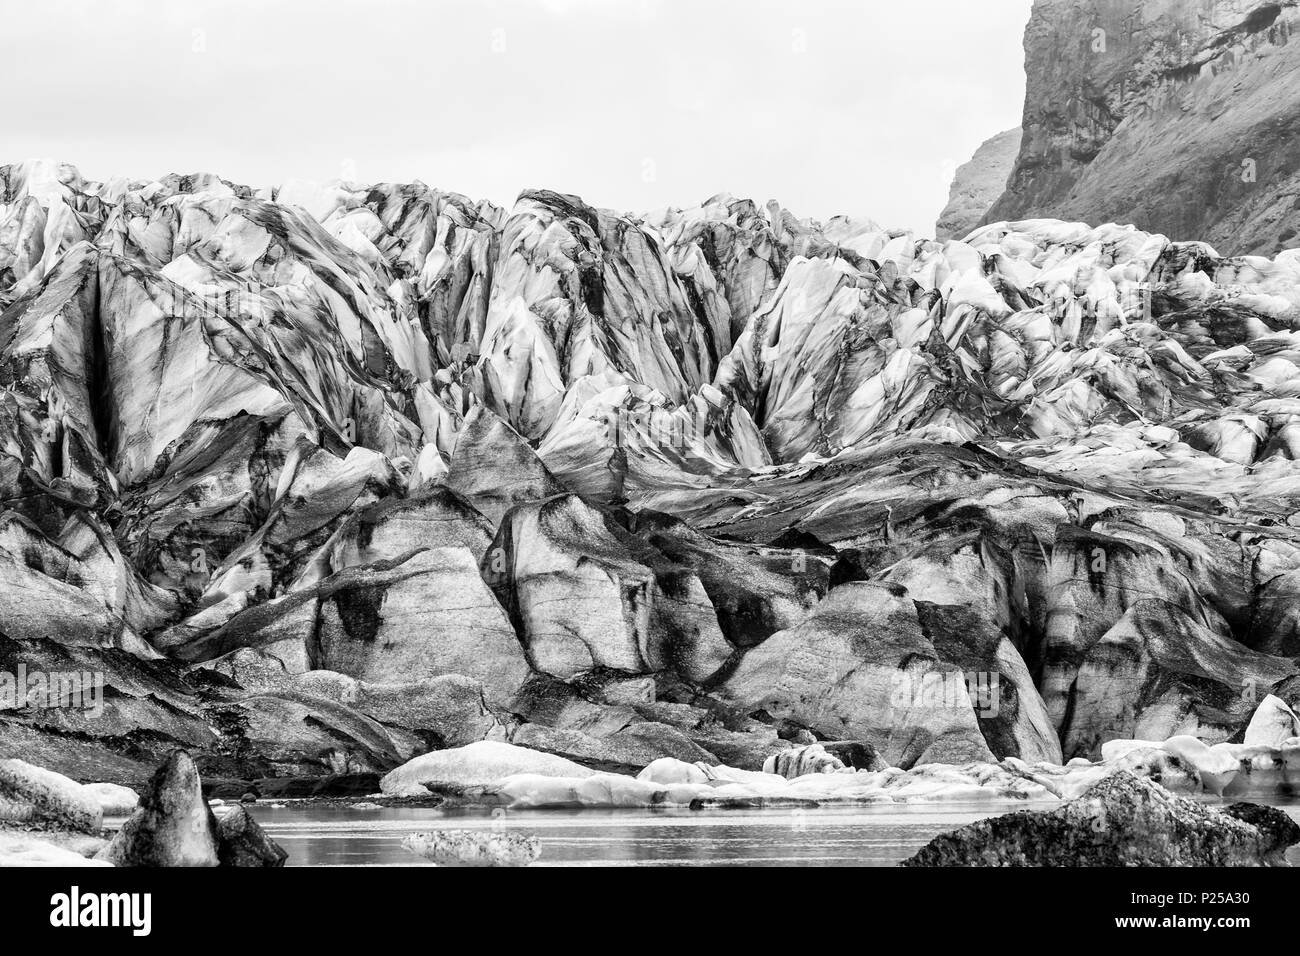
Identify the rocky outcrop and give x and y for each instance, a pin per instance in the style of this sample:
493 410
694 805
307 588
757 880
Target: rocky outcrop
1121 821
175 826
1179 118
241 842
172 827
977 184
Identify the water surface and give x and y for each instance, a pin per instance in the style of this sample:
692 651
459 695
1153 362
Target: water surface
336 835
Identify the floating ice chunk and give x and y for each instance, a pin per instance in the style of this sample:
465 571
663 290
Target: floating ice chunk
1272 724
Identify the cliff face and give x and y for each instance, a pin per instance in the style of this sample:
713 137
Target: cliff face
978 183
1179 116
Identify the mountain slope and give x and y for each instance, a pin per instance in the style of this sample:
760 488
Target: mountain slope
1180 117
977 184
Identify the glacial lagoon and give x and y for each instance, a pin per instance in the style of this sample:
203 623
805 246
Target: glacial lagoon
316 834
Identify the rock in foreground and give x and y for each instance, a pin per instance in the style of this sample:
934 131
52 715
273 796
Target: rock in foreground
1121 821
241 842
172 827
475 847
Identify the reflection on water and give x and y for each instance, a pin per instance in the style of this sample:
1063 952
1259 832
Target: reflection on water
318 835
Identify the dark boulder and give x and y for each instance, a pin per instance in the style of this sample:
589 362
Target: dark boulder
173 826
1121 821
241 842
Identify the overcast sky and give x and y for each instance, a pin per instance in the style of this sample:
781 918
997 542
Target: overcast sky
830 106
